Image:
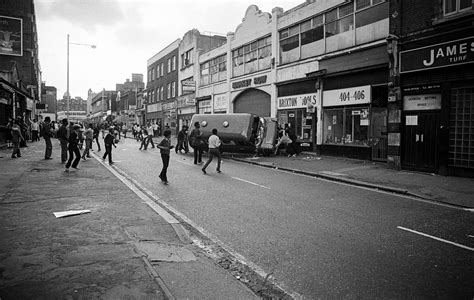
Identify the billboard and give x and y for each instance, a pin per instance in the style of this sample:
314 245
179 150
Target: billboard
11 36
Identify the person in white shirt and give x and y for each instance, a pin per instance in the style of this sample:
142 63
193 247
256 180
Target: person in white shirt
150 136
214 144
35 131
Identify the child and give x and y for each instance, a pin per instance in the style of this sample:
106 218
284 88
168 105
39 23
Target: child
17 137
109 141
165 146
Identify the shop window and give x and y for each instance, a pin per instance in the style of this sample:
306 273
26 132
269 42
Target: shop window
461 129
346 126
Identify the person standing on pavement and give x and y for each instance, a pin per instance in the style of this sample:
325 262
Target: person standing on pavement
17 137
195 139
109 141
62 135
35 131
73 148
144 139
214 144
165 147
89 134
47 133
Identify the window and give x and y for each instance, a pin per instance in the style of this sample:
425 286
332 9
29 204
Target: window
214 70
186 59
455 6
168 90
162 69
347 125
173 89
169 65
252 57
162 93
173 63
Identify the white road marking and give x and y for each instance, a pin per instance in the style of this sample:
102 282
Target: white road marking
436 238
427 201
256 184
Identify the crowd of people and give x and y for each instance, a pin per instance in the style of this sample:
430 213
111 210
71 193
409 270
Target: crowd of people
74 137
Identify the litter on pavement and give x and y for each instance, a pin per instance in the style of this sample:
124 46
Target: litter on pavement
68 213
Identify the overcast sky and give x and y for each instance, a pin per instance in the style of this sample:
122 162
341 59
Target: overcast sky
127 33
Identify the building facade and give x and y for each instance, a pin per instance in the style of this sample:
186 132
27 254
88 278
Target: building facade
432 91
161 88
192 44
321 67
20 73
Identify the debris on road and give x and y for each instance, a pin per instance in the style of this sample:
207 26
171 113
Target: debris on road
68 213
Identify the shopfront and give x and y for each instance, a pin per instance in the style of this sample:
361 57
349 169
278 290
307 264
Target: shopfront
299 111
204 105
354 122
252 95
170 118
437 84
186 108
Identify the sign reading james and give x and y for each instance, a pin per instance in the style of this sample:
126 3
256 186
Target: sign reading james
438 56
11 36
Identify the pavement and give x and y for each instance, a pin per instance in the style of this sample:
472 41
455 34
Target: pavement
124 246
127 245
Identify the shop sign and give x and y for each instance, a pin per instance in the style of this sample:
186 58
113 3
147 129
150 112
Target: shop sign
220 102
205 103
169 105
348 96
447 54
12 29
422 102
297 101
188 86
248 82
152 107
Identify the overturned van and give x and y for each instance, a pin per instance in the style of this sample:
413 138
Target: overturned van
240 132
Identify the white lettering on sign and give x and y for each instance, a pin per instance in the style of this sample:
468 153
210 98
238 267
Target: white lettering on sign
454 53
297 101
348 96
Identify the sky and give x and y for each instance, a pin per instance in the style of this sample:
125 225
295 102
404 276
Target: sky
126 34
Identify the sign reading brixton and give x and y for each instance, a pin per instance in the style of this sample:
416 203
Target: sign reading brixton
437 56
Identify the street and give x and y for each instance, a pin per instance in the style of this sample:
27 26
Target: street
317 239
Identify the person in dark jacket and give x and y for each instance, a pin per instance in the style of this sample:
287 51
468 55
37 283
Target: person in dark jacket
182 140
195 139
62 136
165 146
47 133
96 136
74 148
109 141
17 137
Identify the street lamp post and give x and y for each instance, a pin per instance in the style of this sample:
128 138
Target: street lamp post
68 96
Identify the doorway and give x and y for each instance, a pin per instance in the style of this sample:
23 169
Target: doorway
420 141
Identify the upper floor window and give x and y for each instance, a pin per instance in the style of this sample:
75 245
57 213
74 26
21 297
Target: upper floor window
169 65
162 94
186 59
152 73
252 57
173 63
173 89
168 90
162 69
214 70
456 6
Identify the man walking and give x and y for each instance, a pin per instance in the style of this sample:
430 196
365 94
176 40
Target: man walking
89 135
150 136
214 144
165 146
73 148
47 133
35 131
109 141
96 136
62 135
17 137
